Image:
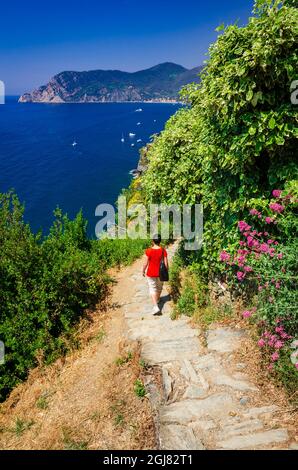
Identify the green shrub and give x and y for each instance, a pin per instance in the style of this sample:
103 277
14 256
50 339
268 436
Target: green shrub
46 283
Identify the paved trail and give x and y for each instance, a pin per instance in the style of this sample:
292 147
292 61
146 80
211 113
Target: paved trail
207 398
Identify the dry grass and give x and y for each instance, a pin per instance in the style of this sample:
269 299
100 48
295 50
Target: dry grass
85 400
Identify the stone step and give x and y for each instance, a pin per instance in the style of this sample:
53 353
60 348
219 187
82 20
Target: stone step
156 352
185 411
177 437
253 441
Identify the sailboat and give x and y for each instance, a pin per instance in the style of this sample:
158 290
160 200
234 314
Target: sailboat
74 143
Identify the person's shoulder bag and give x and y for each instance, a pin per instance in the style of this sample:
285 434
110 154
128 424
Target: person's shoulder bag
163 272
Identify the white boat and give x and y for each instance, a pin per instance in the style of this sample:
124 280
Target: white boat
74 143
139 140
139 110
132 145
154 120
122 138
131 134
139 123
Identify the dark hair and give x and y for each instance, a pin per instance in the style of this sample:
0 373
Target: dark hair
156 239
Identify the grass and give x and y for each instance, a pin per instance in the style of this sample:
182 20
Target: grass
100 335
119 419
211 314
117 409
139 388
21 426
120 361
143 364
70 443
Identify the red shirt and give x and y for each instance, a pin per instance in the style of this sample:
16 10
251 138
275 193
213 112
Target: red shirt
154 256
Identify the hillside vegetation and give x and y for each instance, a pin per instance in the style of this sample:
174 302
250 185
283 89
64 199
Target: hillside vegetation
45 285
234 150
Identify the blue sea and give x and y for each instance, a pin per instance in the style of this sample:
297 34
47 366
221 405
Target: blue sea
38 158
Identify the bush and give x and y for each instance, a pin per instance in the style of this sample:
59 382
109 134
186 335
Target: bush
46 283
237 141
265 266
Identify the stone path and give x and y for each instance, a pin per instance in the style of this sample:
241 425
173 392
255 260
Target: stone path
207 399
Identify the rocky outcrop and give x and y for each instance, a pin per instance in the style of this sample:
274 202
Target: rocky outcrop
159 83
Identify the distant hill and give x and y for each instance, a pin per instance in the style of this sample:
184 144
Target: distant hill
159 83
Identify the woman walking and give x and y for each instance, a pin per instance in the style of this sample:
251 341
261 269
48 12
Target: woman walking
151 268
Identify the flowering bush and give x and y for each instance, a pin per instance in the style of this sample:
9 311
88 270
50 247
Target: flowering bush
265 264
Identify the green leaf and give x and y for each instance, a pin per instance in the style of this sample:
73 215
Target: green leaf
252 130
221 27
272 123
249 95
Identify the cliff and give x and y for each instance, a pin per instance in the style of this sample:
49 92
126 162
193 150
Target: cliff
159 83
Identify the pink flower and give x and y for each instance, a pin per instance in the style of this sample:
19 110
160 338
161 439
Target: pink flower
275 207
242 225
280 255
271 252
248 269
261 343
264 247
266 234
270 242
260 288
296 365
278 344
246 314
275 356
224 256
254 212
279 329
250 241
276 193
277 285
270 367
268 220
270 299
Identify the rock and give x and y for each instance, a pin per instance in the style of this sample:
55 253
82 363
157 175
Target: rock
184 411
293 446
167 383
202 426
224 340
223 379
155 352
154 395
244 427
177 437
207 362
195 391
254 412
243 401
253 441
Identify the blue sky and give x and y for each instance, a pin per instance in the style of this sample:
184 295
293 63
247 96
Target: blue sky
39 39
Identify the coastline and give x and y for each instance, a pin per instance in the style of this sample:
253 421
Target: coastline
103 102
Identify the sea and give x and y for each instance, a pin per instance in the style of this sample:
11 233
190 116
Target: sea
72 155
